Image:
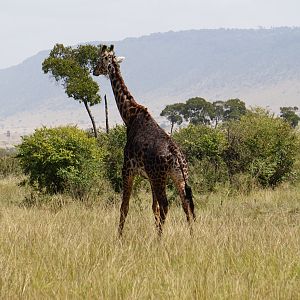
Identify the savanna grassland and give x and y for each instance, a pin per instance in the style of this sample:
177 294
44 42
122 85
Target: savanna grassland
244 247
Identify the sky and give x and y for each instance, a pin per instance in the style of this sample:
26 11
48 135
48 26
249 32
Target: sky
30 26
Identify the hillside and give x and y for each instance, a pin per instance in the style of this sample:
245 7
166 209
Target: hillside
261 66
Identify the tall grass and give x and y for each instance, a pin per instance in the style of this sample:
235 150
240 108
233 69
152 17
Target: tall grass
244 247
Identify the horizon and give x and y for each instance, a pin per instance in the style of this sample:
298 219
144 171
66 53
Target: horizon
260 66
149 34
31 26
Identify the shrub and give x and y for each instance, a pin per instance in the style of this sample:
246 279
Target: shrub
61 159
258 148
261 145
113 143
9 164
200 141
204 147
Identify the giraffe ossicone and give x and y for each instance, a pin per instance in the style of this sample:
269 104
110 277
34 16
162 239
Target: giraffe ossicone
149 150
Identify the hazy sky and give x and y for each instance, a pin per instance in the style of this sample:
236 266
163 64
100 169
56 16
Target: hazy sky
28 26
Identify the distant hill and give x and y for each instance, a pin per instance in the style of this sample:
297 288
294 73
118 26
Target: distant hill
259 66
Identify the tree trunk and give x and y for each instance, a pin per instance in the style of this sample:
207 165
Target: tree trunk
106 114
172 125
91 117
216 122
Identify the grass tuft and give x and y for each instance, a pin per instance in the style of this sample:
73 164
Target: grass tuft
244 247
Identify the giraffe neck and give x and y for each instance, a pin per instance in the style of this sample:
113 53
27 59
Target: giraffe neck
125 101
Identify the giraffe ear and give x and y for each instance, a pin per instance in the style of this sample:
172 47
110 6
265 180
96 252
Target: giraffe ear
120 59
103 48
111 48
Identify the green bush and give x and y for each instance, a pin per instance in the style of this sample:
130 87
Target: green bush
200 141
257 149
9 164
113 143
203 147
61 159
261 145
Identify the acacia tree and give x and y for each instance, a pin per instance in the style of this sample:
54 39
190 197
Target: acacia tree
173 114
198 111
218 112
289 115
73 67
234 109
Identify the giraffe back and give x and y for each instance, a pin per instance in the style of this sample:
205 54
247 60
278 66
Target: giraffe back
150 151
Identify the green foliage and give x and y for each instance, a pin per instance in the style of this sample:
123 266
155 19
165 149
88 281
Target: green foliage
289 115
73 68
198 111
262 146
9 164
257 149
173 114
218 112
87 56
199 141
204 147
113 143
234 109
61 159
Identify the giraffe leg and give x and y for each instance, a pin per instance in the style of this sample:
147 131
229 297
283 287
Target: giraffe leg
155 208
127 188
159 189
186 201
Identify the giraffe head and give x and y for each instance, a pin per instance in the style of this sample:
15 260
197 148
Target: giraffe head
106 61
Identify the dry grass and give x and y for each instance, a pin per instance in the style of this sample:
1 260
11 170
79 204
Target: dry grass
244 247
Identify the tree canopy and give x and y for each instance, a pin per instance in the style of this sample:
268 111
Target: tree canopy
173 114
234 109
197 110
289 115
73 67
56 159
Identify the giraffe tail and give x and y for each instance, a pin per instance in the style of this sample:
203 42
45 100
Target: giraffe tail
189 197
187 188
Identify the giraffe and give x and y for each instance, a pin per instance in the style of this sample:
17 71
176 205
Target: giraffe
149 151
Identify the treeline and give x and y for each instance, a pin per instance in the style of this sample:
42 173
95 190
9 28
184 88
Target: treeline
9 164
259 149
228 144
239 150
200 111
